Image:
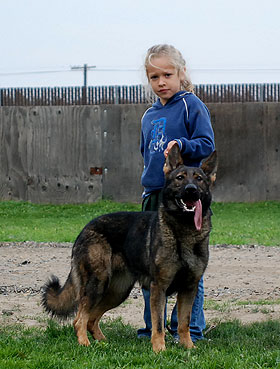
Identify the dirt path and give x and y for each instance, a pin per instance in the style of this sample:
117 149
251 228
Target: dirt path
235 275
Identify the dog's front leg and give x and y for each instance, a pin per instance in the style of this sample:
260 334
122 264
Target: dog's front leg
185 302
157 303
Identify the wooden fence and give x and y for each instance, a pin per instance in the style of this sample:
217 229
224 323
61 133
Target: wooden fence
49 96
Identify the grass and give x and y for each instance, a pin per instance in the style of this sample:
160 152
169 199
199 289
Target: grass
254 306
233 223
22 221
232 346
259 302
221 306
246 223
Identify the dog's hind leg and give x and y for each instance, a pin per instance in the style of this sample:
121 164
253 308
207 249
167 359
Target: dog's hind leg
185 302
118 290
81 321
157 302
89 313
93 325
94 270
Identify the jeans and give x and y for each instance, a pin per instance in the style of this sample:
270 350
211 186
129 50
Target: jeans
197 324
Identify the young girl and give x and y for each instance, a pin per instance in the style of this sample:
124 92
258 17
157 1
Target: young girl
178 116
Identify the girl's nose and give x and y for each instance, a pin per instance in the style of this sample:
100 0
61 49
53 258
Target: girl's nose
161 81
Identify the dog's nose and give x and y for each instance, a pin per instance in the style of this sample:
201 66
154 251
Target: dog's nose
190 188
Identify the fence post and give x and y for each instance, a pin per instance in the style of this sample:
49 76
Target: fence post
84 95
117 94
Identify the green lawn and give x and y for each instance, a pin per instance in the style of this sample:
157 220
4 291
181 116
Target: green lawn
246 223
22 221
233 223
231 346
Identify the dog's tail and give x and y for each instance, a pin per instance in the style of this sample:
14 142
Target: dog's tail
59 301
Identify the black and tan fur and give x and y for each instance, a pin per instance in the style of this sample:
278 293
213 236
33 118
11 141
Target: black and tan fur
162 250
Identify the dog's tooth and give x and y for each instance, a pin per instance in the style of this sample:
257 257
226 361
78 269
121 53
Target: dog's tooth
190 210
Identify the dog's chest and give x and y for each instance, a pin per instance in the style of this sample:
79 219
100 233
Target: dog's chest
188 245
182 232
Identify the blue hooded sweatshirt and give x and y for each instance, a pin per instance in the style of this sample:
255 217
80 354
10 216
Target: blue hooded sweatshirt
184 118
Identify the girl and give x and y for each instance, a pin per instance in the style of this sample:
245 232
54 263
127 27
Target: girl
178 116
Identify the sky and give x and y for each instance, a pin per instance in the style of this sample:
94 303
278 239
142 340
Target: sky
222 41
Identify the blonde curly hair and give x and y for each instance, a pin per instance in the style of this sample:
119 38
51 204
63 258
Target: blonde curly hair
176 59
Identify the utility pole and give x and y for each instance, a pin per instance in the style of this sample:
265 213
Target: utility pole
85 69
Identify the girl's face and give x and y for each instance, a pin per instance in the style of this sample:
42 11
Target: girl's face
164 78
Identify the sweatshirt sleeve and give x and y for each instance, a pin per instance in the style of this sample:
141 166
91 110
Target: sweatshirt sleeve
198 124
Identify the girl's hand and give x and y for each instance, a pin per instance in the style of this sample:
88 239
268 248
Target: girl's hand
170 144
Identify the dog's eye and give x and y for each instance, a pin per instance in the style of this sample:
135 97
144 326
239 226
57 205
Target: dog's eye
199 178
180 177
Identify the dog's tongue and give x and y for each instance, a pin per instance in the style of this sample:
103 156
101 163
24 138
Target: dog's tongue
198 215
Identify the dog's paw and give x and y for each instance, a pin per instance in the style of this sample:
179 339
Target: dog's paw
158 343
188 344
99 336
158 348
83 341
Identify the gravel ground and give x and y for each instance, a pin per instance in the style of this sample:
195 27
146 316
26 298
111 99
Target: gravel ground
235 274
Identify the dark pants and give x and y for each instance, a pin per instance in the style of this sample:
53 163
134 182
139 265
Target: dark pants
197 324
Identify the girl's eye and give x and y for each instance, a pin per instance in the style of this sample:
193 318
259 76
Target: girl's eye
180 177
168 75
153 78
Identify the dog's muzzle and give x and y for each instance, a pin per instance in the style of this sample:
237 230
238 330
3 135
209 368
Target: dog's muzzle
191 193
191 203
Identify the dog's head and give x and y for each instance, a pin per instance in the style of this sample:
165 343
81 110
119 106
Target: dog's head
187 189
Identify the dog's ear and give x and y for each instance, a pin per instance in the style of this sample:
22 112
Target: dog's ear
210 166
173 160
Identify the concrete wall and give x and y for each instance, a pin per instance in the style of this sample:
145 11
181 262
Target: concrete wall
46 154
248 144
75 154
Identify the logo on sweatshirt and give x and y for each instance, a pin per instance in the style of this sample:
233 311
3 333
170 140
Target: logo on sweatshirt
158 136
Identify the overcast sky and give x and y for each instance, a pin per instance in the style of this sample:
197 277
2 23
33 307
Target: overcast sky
222 41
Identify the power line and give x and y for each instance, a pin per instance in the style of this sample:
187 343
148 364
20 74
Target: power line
120 69
101 69
241 69
33 72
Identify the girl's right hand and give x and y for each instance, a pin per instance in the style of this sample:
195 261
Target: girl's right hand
170 144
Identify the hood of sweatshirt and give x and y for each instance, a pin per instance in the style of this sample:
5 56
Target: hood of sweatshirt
178 96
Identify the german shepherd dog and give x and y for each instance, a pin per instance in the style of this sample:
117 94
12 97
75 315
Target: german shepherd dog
165 251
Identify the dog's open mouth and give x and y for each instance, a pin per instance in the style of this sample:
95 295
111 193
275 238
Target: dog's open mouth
189 206
195 207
